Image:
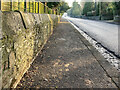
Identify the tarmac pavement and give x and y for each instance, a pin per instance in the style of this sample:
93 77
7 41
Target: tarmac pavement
68 60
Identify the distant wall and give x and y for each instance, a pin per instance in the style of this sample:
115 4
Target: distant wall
24 35
91 17
115 18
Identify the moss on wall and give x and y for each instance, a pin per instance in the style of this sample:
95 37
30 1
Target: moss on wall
24 35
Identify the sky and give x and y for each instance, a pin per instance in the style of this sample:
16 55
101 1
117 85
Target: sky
71 1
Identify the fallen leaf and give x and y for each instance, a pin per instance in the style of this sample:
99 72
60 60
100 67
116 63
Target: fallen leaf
66 65
60 69
88 82
66 69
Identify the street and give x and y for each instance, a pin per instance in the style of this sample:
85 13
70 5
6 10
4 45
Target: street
104 33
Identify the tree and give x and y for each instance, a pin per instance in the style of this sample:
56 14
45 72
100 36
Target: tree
88 7
116 8
53 4
106 10
69 12
97 10
75 10
64 7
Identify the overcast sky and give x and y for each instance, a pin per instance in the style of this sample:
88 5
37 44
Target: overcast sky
71 1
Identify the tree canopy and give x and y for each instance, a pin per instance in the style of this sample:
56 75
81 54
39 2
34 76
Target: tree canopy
75 10
64 7
117 7
53 4
88 7
106 10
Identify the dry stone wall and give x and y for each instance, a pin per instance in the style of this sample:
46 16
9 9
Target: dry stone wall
24 35
0 50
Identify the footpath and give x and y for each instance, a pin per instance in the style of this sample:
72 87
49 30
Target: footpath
68 60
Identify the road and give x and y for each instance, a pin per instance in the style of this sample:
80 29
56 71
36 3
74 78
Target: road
104 33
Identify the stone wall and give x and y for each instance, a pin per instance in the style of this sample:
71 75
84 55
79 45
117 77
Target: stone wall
24 35
0 50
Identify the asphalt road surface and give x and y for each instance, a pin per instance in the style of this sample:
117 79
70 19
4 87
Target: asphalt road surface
104 33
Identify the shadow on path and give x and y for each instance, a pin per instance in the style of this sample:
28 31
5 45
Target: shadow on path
65 62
